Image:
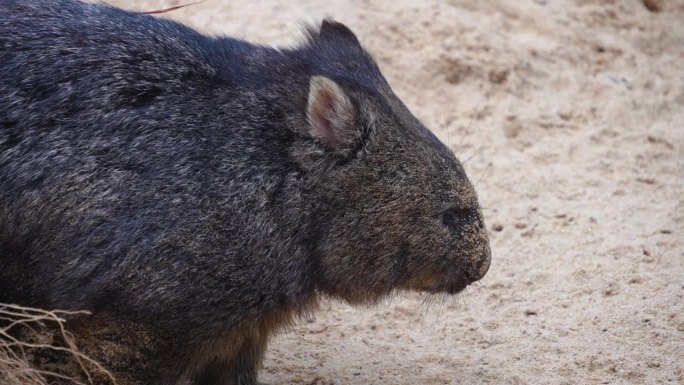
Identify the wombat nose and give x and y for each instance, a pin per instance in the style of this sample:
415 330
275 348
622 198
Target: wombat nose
455 218
481 268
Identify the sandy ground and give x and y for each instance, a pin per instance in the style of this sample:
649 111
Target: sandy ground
579 107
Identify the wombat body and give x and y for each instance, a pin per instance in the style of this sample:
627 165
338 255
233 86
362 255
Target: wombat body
208 190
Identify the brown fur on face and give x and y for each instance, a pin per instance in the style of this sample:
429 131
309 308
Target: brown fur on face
402 214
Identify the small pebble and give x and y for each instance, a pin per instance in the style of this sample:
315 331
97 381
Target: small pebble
652 5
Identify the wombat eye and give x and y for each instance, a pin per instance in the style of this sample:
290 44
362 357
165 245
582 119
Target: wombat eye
453 217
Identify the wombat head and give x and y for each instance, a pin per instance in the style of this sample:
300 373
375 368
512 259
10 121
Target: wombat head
391 205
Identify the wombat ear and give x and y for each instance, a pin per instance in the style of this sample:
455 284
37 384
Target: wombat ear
330 113
331 29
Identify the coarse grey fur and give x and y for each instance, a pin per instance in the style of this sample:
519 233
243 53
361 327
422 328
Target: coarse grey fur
199 192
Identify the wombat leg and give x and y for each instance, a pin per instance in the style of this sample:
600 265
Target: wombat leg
238 369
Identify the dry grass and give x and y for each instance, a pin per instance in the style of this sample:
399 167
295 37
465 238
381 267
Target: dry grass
26 334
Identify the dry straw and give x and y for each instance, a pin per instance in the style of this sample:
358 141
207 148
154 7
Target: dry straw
27 332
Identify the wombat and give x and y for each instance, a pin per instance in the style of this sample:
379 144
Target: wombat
205 191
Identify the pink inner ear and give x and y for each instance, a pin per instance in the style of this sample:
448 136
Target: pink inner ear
323 117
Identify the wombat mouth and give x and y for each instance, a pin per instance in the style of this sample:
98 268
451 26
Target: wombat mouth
450 288
445 283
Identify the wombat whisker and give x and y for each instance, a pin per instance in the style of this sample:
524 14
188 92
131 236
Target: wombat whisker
449 137
169 9
445 301
485 171
440 305
462 299
466 293
427 303
388 301
483 286
421 308
440 300
467 132
425 298
470 157
455 301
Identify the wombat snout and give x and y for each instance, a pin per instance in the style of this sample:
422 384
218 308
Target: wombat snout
480 269
457 276
467 223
